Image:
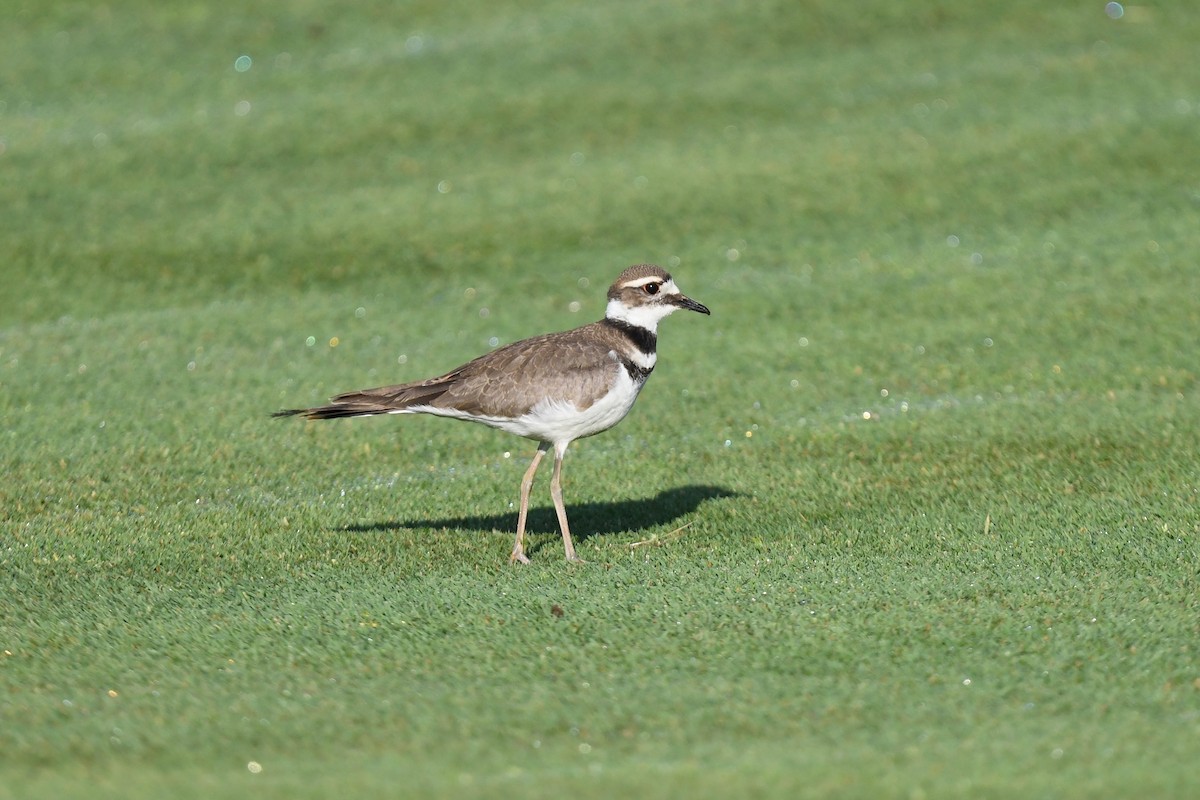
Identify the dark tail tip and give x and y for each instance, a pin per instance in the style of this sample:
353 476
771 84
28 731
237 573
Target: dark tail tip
334 411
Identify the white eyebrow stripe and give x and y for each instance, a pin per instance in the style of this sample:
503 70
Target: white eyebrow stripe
638 283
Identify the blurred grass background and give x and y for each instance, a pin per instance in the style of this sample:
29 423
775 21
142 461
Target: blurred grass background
914 513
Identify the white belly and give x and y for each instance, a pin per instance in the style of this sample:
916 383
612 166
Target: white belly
558 421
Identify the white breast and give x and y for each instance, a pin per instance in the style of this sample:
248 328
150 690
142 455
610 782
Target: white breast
559 421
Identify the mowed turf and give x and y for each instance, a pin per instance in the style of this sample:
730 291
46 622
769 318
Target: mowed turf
913 514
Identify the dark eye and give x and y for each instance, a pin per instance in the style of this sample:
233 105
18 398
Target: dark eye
651 288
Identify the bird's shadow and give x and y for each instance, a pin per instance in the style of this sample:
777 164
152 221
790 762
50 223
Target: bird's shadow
586 519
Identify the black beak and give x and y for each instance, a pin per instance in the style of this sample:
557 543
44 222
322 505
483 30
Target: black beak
691 305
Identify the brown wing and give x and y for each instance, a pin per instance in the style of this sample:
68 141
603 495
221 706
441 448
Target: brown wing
564 367
509 381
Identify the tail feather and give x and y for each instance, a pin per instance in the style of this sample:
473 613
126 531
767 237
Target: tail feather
368 402
333 411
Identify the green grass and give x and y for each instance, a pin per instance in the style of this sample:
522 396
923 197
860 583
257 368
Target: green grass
913 514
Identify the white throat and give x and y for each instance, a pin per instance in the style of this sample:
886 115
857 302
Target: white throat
646 316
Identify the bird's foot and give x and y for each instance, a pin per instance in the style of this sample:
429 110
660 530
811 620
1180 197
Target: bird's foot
518 556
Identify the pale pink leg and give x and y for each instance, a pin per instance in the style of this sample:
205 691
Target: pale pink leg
518 553
556 494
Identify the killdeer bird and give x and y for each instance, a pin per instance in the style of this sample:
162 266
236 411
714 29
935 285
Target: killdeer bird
554 388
